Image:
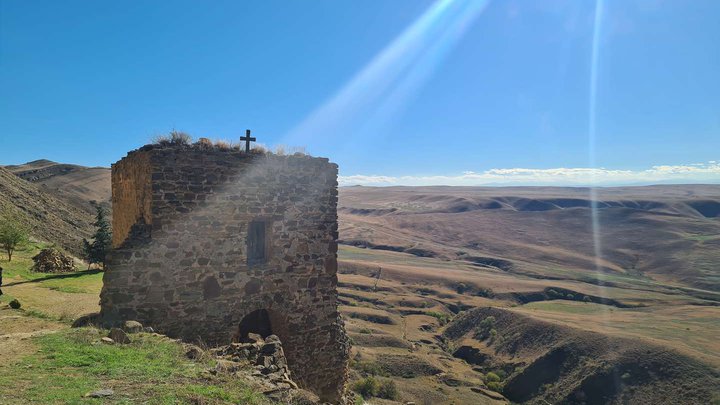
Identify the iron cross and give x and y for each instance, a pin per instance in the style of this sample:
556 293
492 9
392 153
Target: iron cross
247 138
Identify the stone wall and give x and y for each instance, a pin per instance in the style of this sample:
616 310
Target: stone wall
183 265
131 194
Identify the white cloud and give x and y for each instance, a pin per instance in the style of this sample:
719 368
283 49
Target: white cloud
689 173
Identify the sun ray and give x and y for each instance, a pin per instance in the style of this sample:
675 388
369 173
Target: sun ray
387 82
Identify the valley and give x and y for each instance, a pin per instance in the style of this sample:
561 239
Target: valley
483 295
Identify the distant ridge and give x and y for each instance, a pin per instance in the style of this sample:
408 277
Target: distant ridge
661 233
77 185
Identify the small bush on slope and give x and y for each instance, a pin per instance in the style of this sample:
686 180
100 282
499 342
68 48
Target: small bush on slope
367 387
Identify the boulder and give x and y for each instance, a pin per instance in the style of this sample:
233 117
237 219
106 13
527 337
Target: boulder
226 366
100 393
193 352
251 338
267 355
87 320
132 326
119 336
272 339
269 349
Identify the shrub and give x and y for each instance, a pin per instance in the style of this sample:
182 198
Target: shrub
15 304
366 331
367 387
180 138
488 322
494 386
224 145
460 288
441 317
259 148
570 297
485 328
174 138
388 390
368 368
204 143
587 299
491 377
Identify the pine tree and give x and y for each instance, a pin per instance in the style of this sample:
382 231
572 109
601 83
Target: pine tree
96 250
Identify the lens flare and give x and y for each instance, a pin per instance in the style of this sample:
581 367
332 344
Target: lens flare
592 132
379 90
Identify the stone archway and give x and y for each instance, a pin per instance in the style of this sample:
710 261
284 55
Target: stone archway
258 322
264 322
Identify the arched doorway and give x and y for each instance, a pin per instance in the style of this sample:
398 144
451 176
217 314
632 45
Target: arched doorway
255 322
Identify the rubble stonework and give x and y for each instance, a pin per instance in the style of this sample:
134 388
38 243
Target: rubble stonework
209 245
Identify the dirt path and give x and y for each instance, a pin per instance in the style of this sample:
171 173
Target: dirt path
56 304
41 312
16 331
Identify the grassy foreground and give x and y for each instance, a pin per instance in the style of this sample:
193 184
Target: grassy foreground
44 361
152 369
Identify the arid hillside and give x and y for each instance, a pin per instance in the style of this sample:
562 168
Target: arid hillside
77 185
47 217
669 234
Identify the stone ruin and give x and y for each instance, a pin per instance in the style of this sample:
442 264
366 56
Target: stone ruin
215 245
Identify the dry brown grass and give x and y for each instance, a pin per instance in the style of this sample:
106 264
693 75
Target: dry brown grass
225 145
656 235
174 138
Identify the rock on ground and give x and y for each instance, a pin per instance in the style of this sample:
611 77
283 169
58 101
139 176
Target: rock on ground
132 326
119 336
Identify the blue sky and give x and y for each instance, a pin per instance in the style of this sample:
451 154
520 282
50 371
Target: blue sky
395 92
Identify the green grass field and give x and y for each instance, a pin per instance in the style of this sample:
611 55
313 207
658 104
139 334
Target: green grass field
152 369
82 281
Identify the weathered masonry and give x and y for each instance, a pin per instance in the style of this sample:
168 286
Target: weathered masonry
211 245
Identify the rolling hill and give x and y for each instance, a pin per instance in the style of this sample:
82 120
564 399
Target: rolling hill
78 185
669 234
